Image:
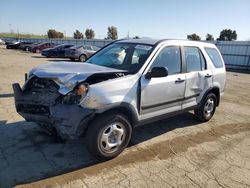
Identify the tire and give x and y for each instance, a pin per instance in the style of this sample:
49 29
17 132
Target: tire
27 49
82 58
206 110
108 135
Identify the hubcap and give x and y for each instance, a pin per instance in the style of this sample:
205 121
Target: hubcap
209 107
112 137
82 58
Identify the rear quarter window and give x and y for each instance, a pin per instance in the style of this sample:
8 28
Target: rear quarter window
215 57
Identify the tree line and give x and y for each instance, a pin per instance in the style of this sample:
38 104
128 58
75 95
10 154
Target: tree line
225 35
112 33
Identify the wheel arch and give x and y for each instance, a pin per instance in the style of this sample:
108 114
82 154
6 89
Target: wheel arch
83 54
215 90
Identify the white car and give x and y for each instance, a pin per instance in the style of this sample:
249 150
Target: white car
2 42
126 84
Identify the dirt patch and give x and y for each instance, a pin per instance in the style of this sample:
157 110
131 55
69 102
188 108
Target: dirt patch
165 149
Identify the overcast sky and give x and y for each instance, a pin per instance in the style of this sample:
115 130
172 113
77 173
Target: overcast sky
145 18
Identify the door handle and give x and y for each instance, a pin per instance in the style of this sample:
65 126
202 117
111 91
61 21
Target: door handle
179 80
208 75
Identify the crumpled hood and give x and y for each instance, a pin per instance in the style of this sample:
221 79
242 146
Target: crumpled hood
68 74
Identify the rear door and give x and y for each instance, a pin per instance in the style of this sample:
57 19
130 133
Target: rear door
198 77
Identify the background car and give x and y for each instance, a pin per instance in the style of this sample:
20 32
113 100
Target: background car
2 42
57 51
28 47
81 52
10 41
38 48
23 45
13 44
17 45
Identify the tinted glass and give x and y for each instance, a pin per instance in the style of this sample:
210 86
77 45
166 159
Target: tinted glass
215 57
194 59
169 57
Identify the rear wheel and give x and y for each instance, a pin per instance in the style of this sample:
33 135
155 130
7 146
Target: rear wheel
206 110
82 58
108 135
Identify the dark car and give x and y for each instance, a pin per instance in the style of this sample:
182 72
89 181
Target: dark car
13 44
17 45
57 51
28 47
25 46
81 52
10 41
38 48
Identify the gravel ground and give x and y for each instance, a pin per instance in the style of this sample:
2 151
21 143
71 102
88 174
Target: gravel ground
176 152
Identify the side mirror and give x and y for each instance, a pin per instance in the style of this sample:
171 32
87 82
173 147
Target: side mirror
157 72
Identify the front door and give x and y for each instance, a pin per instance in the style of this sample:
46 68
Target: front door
165 94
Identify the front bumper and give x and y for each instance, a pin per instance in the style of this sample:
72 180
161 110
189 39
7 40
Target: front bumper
44 53
69 120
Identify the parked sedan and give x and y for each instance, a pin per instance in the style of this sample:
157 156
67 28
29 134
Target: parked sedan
38 48
58 51
13 44
28 47
81 52
24 45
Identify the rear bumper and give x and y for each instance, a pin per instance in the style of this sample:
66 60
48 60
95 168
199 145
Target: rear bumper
69 120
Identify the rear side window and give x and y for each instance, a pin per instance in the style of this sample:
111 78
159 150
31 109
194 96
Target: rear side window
215 57
194 59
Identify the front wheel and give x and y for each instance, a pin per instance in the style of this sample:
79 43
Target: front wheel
108 135
206 110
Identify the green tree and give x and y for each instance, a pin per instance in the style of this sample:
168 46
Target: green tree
90 34
112 33
209 37
78 35
52 33
227 34
193 37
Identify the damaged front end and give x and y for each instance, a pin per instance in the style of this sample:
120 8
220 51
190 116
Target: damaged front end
54 93
39 101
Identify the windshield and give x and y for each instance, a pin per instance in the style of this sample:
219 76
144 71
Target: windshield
123 56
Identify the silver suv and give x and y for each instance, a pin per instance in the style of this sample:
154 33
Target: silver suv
125 84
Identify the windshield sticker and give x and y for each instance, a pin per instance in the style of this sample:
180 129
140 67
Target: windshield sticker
143 47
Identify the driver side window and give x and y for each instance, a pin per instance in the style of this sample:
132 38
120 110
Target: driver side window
170 58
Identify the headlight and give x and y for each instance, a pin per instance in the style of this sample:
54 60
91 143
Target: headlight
75 96
81 90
